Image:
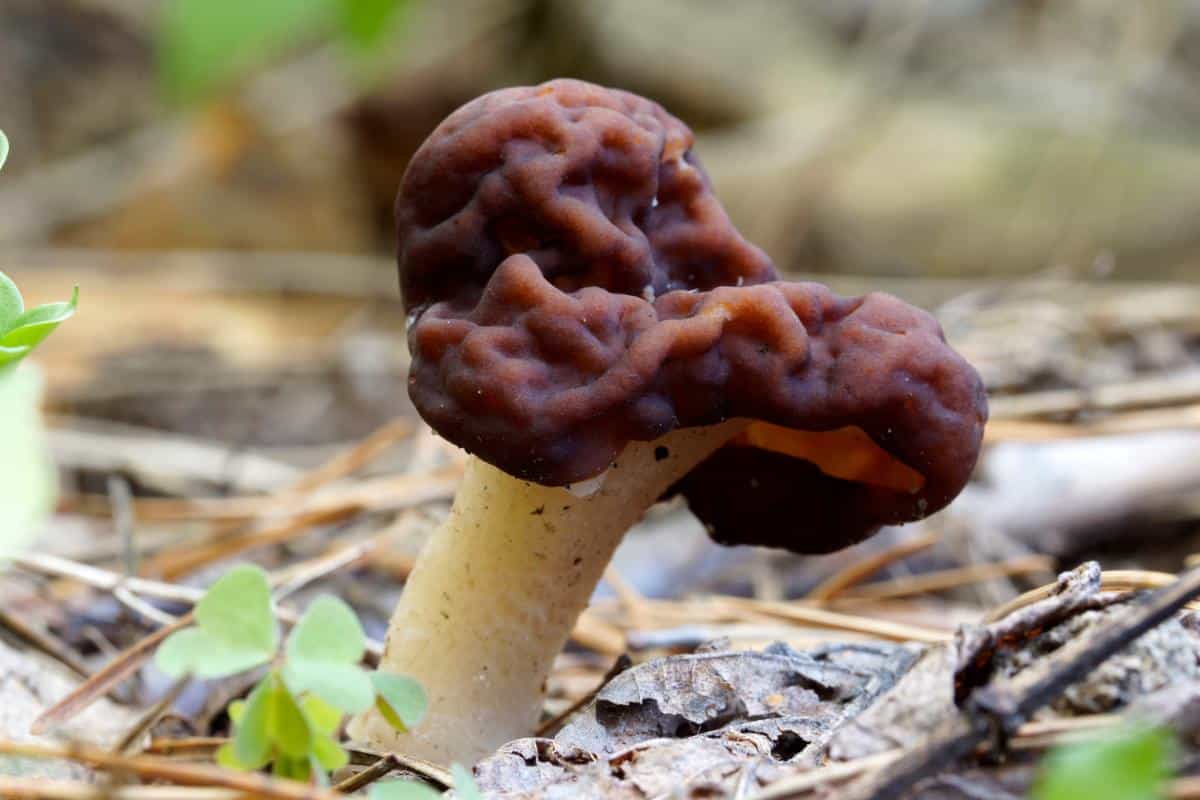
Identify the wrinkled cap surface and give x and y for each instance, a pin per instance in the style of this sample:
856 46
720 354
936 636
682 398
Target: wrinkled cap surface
573 284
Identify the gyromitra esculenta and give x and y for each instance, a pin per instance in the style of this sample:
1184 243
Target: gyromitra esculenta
586 321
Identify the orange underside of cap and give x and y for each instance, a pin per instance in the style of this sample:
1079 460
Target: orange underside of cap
846 453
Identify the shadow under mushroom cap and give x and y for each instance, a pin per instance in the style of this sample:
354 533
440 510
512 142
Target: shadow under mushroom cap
574 284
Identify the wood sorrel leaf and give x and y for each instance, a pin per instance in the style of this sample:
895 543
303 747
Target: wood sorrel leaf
323 652
401 699
236 629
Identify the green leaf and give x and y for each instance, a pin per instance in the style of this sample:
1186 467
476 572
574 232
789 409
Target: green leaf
227 757
464 785
1131 765
206 43
401 790
292 768
28 486
3 149
329 754
328 631
236 629
288 726
252 739
323 652
322 717
235 710
366 23
401 699
31 327
11 303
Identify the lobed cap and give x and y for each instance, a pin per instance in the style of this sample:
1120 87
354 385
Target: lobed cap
573 284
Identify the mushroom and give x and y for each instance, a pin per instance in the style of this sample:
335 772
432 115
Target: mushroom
586 321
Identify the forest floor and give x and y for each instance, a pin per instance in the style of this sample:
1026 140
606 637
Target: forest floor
948 654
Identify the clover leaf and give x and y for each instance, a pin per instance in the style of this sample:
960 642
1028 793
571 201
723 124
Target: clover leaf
323 652
400 699
235 629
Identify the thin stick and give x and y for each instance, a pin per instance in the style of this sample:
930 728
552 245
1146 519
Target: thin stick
860 570
128 743
1157 390
48 789
198 746
999 708
633 600
355 458
104 680
550 726
433 774
164 769
819 617
387 493
1032 735
43 643
941 580
175 564
1110 580
131 659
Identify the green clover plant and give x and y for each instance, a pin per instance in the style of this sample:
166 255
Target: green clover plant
1132 764
291 717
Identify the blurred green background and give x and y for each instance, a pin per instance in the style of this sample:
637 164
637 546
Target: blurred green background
959 138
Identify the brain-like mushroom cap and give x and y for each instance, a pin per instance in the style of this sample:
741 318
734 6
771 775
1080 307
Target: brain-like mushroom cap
573 284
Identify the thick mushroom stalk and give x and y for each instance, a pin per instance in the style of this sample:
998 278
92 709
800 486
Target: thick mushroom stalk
499 587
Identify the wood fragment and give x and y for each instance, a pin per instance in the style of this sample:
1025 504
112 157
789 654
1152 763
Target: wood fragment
998 709
354 458
49 789
128 744
952 578
822 618
1149 391
858 571
103 681
43 642
1115 580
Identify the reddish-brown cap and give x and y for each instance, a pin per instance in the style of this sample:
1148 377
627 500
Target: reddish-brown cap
573 284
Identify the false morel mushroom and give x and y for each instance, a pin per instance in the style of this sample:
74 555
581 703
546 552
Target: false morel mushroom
586 321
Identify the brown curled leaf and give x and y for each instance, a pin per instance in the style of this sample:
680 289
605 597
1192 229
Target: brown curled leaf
574 285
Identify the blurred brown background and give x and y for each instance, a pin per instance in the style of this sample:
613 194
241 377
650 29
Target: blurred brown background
1029 170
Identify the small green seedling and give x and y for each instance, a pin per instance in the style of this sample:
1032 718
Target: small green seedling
21 330
291 717
464 787
1132 764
